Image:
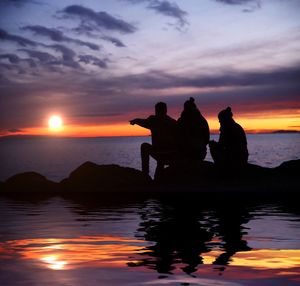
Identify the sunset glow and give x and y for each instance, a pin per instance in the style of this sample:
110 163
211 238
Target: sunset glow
149 142
101 73
259 123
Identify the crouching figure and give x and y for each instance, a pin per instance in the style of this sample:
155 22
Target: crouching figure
163 133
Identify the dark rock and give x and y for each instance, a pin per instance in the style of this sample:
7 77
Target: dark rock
201 178
101 178
288 169
174 175
206 177
257 173
208 172
29 182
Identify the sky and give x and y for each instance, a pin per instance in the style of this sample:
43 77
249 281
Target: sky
100 63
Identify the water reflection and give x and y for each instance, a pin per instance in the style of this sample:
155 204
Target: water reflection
178 236
72 253
181 234
191 241
229 228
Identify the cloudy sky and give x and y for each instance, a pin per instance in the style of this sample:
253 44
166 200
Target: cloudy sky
100 63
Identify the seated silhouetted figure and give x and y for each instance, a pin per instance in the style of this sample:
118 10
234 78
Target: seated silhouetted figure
193 133
231 151
163 132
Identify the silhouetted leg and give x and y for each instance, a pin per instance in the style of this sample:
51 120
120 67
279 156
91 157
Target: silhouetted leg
146 151
159 169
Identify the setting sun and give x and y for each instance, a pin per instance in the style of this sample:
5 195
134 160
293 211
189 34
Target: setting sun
55 122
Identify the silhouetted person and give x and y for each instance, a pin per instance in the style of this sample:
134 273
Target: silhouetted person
163 131
231 150
193 132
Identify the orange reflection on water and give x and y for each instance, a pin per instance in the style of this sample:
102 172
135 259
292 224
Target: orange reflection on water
54 263
114 251
260 258
70 253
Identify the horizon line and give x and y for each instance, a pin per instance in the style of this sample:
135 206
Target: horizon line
214 132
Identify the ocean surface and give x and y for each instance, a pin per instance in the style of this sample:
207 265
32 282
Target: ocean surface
56 157
183 240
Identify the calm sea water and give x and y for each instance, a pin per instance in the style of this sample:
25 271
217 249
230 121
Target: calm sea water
95 241
188 241
55 158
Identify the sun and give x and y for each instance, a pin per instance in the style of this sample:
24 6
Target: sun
55 122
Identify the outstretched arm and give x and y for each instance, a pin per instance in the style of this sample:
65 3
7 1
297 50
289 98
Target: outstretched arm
141 122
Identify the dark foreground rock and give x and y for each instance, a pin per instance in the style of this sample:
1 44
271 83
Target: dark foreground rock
253 178
28 182
90 177
204 178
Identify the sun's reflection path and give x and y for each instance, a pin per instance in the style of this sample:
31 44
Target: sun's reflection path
71 253
53 262
120 252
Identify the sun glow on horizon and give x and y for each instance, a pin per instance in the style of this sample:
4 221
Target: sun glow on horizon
55 122
261 122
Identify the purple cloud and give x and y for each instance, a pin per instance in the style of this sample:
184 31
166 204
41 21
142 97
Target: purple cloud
41 56
5 36
114 41
14 59
88 59
57 36
166 8
237 2
68 56
92 20
252 4
169 9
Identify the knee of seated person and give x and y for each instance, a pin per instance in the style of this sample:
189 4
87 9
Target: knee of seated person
145 146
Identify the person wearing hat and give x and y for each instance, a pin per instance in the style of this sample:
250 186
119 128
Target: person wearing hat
163 133
193 134
231 150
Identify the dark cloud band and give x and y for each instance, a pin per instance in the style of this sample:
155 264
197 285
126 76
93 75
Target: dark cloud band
5 36
247 92
92 20
57 36
166 8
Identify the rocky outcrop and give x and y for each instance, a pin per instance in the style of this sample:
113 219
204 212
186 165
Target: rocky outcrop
90 177
29 182
206 177
288 169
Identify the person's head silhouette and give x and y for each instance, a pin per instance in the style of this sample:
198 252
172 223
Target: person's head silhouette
225 116
190 104
161 108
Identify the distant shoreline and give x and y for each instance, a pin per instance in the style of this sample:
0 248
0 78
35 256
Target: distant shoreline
91 137
285 131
